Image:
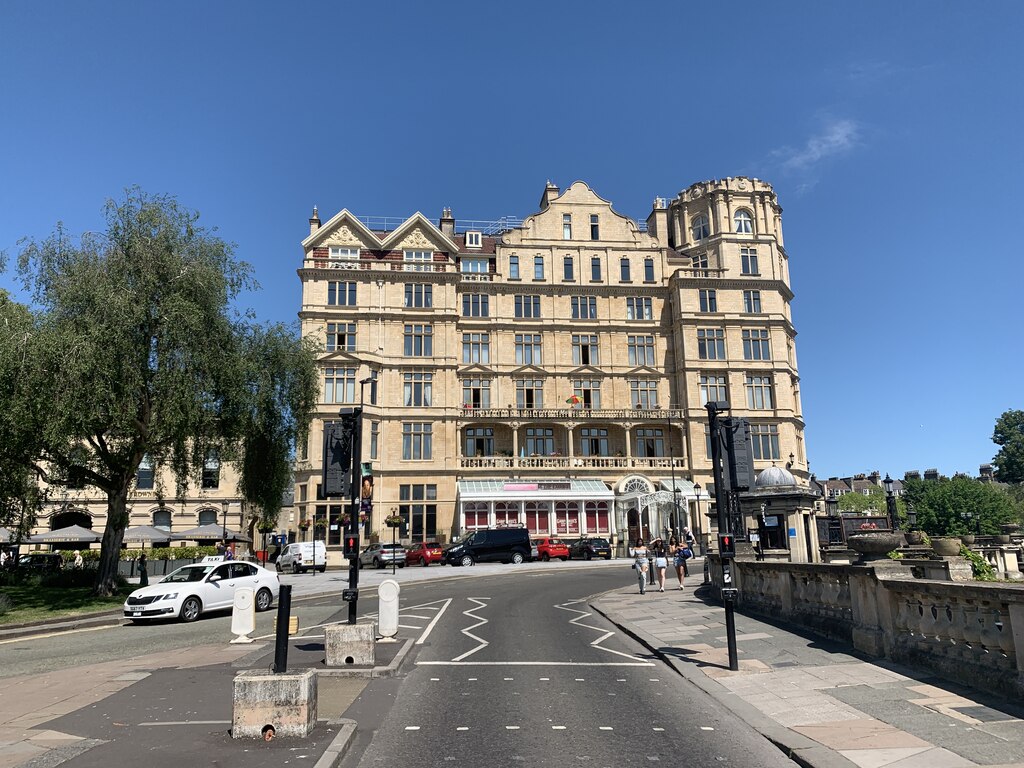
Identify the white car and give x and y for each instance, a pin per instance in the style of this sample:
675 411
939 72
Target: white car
195 589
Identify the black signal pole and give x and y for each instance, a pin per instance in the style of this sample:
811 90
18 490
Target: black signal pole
352 528
728 591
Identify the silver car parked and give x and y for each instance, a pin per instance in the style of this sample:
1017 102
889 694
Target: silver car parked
381 555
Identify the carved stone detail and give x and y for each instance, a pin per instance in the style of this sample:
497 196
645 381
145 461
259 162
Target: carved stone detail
343 236
416 240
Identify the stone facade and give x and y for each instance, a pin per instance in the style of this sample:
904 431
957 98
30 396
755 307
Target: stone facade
543 355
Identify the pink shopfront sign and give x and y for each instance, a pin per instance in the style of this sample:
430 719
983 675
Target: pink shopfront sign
519 487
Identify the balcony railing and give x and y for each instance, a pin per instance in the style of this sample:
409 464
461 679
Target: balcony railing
569 462
575 414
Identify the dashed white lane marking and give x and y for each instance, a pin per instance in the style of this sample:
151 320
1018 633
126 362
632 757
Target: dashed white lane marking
462 728
620 680
657 729
706 728
430 626
30 638
652 680
435 679
471 679
409 626
580 680
557 727
412 727
605 728
511 727
545 678
481 603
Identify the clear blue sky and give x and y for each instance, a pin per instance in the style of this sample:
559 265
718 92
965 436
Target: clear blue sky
891 132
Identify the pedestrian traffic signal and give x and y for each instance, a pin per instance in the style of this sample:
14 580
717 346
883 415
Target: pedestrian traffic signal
726 545
351 548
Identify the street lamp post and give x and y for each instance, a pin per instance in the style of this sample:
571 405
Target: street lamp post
700 521
674 523
224 522
890 504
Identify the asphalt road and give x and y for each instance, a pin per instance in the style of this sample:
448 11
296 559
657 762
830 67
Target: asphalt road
518 669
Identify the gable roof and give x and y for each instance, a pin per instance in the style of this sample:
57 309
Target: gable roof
342 217
419 221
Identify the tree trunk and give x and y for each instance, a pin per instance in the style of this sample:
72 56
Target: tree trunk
110 552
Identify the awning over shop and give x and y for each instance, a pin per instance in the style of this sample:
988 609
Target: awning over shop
559 489
686 489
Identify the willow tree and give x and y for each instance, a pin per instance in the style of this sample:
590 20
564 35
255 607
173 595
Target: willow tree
136 352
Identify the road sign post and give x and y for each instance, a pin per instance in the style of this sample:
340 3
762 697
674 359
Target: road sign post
726 540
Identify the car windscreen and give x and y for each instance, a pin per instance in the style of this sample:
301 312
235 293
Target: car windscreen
188 573
554 541
599 542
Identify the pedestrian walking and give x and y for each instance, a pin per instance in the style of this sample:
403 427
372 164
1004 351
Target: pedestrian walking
675 552
660 562
691 544
639 554
3 558
143 570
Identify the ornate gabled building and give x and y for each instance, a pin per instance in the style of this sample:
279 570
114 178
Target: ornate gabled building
552 371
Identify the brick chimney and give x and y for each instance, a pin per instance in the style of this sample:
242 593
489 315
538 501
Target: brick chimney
314 222
931 474
447 222
912 474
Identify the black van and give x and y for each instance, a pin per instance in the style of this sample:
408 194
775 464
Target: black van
491 545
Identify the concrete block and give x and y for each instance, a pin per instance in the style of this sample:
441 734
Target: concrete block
350 644
286 702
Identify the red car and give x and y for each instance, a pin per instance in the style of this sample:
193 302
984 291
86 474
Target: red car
550 548
424 553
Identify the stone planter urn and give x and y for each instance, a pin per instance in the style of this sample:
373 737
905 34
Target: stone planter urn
967 539
873 545
946 546
1006 532
915 538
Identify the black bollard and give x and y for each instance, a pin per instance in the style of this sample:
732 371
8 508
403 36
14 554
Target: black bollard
284 614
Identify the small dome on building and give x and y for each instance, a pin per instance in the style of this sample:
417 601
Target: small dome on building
774 477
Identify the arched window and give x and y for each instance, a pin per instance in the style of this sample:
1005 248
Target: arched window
537 516
162 519
743 223
567 518
699 227
207 516
506 514
475 514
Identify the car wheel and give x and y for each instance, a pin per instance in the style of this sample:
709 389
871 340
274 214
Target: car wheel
545 557
587 555
517 558
377 563
563 559
424 562
401 565
263 600
278 567
608 557
190 609
466 560
295 568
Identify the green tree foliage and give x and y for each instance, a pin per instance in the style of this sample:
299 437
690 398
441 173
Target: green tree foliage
135 351
941 504
873 501
1009 436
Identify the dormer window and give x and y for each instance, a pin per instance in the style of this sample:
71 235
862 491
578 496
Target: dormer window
418 261
348 254
474 239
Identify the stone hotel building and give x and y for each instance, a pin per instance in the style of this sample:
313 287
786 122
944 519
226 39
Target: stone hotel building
551 371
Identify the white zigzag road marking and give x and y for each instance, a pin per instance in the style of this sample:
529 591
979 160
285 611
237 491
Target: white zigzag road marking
481 621
578 621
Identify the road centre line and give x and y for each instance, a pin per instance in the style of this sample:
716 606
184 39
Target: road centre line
596 643
483 643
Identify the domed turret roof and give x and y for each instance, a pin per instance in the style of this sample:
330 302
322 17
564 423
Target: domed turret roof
775 477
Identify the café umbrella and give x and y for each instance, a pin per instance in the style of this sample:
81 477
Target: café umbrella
147 534
73 534
211 532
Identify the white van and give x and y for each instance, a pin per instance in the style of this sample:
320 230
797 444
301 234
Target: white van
302 556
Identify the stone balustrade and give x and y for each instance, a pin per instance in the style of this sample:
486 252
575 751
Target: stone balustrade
972 633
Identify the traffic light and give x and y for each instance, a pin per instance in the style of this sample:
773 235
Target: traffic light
339 437
351 548
738 454
726 545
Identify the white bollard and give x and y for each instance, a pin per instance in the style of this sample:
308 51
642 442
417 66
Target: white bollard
387 617
243 614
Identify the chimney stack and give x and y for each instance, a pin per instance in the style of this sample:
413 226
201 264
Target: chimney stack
657 220
447 222
314 222
550 193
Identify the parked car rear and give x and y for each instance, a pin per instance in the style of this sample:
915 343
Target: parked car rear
589 548
381 555
549 548
423 553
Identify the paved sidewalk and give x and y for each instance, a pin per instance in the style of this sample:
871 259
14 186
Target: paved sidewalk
818 700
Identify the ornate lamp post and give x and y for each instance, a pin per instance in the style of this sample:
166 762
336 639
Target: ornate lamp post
224 521
890 504
700 521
